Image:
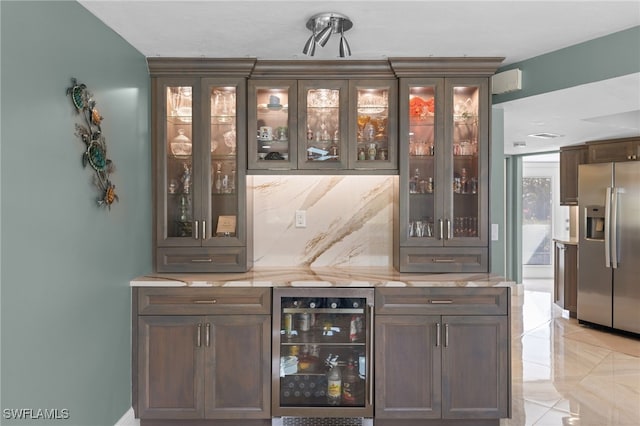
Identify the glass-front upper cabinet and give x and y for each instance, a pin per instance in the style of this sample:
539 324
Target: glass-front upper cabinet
272 117
423 161
464 120
443 161
200 178
322 346
373 124
322 124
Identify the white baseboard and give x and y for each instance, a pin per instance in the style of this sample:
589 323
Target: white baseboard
128 419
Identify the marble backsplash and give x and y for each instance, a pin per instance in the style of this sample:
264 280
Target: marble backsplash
349 220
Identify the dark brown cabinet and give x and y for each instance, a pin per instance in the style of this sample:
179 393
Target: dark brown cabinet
565 289
442 354
570 158
626 149
203 354
604 151
444 162
199 152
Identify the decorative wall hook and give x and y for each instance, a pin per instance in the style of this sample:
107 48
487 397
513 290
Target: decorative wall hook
96 147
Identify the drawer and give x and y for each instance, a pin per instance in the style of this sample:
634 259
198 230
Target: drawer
442 301
203 301
444 259
201 259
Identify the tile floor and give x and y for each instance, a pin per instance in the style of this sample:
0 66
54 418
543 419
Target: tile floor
557 381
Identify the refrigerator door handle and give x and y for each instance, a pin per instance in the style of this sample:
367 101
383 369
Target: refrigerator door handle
607 229
614 228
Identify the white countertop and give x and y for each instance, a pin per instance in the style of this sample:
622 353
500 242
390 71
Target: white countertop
325 277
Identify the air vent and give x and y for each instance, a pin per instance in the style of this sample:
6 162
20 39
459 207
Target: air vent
519 144
545 135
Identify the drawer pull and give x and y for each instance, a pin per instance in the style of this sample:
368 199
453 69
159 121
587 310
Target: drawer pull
207 260
443 260
209 302
440 302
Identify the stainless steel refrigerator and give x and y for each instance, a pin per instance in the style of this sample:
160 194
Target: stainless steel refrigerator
609 245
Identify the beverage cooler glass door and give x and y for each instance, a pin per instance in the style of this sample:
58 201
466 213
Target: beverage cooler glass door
322 352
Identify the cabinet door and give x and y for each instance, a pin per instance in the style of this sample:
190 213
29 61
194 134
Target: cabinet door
475 367
570 159
466 163
237 369
407 367
421 161
322 124
611 151
272 120
223 161
170 365
373 125
177 130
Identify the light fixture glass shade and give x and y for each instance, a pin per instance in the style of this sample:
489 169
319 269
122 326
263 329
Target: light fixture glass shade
323 36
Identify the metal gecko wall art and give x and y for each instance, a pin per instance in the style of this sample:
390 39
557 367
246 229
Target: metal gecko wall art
90 132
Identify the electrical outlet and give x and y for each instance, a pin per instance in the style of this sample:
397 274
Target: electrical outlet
301 218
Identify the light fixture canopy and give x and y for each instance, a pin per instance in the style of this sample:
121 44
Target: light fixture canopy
323 25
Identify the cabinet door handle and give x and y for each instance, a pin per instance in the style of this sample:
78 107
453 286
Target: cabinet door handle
448 229
446 335
207 335
195 227
437 334
198 336
204 229
441 226
209 302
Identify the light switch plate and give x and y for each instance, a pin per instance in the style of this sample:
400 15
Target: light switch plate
494 232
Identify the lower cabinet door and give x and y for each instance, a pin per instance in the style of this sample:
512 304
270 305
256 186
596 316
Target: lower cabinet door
170 362
475 367
407 367
238 367
204 367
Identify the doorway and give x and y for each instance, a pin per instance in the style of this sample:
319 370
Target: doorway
543 219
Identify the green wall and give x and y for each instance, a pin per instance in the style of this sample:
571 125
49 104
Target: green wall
613 55
66 263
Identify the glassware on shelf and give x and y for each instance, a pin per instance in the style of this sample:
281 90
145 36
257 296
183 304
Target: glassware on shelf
181 145
230 140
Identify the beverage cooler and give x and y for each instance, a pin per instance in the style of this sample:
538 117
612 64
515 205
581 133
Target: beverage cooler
322 353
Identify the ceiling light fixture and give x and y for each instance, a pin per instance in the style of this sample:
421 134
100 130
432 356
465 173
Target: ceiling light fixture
322 25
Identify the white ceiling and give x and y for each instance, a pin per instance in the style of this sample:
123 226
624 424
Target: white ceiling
516 30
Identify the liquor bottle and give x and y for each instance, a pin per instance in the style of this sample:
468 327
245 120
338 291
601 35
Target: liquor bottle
350 384
334 386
